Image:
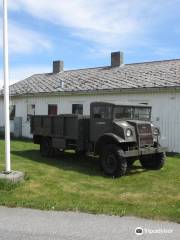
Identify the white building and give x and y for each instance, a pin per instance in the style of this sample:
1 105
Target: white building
152 83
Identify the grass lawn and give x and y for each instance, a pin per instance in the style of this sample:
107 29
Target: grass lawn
68 182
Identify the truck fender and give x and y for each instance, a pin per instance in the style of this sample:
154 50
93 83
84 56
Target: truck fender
107 138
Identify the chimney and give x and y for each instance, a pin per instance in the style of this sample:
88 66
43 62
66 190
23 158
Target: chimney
117 59
58 66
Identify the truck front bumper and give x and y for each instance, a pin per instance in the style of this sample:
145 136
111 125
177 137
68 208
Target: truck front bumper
144 151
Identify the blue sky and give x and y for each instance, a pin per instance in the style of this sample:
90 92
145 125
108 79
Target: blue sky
83 33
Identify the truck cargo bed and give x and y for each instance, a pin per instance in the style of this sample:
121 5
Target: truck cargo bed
71 127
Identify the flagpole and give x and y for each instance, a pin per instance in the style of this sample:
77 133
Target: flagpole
6 88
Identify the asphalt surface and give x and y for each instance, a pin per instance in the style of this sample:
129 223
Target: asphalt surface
16 223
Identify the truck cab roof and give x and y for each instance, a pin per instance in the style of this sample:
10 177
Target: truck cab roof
120 104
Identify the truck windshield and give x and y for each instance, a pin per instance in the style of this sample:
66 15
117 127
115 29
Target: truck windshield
128 112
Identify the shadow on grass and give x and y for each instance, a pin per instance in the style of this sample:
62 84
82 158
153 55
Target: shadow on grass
173 154
72 162
66 161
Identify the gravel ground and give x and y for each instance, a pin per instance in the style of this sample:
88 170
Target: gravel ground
17 223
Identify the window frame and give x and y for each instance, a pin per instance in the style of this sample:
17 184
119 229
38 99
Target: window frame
132 114
77 105
99 110
33 109
52 105
12 112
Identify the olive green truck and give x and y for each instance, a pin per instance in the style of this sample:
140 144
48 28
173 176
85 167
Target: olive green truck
117 134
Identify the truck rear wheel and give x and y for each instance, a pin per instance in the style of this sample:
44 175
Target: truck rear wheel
154 161
112 161
46 148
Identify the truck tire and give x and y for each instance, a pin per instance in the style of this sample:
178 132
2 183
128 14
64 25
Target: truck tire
154 161
112 161
46 149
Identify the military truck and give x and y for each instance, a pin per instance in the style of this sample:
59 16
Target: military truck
117 134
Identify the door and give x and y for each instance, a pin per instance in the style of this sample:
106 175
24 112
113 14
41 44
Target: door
100 121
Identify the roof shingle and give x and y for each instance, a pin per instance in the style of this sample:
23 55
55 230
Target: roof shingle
130 76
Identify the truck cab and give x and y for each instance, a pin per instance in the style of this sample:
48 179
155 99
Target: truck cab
125 131
129 123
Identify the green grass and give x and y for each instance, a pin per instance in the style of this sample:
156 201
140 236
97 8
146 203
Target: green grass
68 182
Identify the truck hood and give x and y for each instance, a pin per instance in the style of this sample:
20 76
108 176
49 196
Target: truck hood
127 123
138 122
123 124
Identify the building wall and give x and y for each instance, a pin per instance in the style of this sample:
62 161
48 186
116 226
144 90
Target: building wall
165 110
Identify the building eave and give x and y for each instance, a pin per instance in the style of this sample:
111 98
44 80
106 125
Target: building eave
100 91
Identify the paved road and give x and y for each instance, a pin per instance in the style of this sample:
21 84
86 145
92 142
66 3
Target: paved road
51 225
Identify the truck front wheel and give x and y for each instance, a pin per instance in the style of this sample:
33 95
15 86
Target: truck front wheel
112 161
154 161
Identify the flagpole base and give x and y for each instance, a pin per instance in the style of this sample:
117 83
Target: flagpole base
13 176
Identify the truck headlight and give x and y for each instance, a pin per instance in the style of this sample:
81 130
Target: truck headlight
156 131
129 132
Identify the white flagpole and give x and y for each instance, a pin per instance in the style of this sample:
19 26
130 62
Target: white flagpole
6 88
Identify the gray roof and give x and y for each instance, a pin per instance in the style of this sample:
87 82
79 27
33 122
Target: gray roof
157 74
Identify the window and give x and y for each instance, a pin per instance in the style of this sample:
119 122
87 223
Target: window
30 110
102 112
12 111
123 112
52 109
77 108
142 113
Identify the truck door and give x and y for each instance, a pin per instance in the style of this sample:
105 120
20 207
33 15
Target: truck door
100 121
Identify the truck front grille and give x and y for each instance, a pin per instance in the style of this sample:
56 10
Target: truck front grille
144 129
145 134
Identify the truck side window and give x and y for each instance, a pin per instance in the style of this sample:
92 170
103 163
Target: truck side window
102 112
96 115
96 112
123 112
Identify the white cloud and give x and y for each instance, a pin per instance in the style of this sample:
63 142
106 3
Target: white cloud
112 23
22 72
102 21
23 40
